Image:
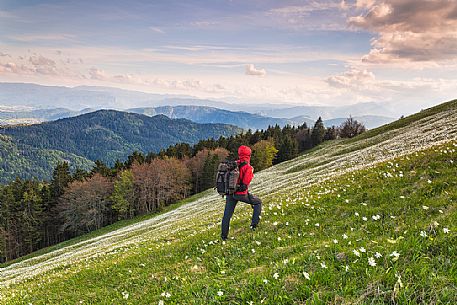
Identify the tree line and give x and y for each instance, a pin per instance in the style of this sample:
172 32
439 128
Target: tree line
36 214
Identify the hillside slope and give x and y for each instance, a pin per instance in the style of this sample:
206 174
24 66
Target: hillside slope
367 220
104 135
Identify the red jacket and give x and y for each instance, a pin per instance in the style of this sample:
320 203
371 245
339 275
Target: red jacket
246 171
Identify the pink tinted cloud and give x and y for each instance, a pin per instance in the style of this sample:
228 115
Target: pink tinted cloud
409 30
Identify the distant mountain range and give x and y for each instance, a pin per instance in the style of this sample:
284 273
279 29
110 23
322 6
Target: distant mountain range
198 114
104 135
77 98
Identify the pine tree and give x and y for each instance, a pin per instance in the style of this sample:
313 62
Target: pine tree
318 132
288 149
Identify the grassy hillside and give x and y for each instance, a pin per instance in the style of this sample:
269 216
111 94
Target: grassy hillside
372 220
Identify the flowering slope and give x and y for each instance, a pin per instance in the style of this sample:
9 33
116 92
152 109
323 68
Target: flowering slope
370 220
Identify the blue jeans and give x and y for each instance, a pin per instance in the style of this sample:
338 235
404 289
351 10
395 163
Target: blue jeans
230 204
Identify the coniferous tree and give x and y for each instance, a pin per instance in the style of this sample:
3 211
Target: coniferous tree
288 149
331 133
318 132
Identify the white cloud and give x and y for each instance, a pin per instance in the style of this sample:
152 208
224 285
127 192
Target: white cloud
156 29
98 74
353 78
252 70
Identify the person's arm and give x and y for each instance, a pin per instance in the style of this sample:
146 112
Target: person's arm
247 175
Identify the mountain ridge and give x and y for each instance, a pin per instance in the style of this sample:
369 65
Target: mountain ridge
108 135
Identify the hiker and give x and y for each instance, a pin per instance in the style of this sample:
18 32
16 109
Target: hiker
242 194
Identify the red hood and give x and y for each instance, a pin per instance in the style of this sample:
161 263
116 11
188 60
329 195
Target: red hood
244 153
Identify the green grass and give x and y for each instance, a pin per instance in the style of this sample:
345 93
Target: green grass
441 108
410 194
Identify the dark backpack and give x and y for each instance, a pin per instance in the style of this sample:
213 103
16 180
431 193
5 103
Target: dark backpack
228 174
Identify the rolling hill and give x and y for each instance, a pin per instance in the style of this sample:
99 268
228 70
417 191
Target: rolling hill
104 135
356 221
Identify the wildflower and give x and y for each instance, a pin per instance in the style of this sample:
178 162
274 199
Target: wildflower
265 281
446 230
166 294
362 249
346 268
323 266
429 181
395 255
161 302
356 214
285 261
441 211
378 255
345 236
347 201
125 295
371 262
306 275
275 223
425 207
335 241
402 197
253 250
276 276
364 218
423 234
220 293
356 253
317 224
279 238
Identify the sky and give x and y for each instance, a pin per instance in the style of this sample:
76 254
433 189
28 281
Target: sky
328 52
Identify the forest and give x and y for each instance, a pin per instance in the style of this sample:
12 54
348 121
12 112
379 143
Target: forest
35 214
